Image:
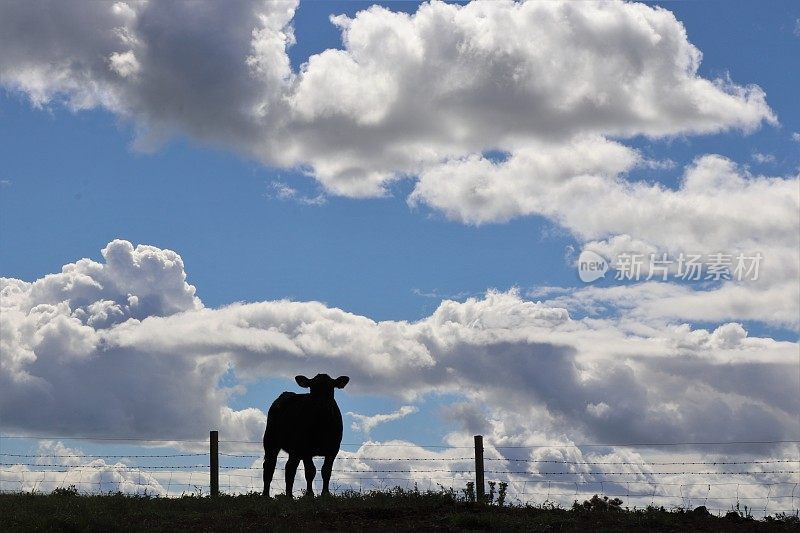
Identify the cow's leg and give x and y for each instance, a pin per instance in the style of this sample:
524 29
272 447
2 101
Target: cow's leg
311 471
327 468
270 458
291 470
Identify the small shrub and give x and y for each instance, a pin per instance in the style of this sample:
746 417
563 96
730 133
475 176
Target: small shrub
550 505
784 518
497 493
70 491
598 504
448 492
700 511
501 493
738 514
469 492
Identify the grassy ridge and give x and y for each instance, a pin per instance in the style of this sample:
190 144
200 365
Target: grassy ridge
396 510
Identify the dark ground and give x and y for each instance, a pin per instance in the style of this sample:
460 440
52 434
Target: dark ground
384 511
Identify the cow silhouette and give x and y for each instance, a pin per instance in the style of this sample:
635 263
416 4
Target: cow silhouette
304 426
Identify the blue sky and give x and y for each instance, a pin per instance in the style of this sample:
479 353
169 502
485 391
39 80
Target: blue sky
74 180
363 256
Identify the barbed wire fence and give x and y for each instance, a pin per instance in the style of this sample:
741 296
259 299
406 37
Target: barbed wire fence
765 486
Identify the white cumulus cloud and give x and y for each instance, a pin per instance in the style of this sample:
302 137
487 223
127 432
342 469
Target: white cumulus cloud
405 95
523 363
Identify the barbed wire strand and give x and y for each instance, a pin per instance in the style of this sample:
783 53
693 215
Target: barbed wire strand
383 471
370 444
427 459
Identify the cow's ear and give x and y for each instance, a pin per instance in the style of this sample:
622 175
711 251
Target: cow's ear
340 382
303 381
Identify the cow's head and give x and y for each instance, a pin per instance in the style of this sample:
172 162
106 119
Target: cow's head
322 385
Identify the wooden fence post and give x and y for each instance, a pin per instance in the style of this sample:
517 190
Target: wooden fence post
214 463
479 484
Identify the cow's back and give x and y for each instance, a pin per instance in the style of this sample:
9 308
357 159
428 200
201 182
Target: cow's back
282 417
303 425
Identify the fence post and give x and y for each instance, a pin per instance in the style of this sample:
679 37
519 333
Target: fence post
479 485
214 463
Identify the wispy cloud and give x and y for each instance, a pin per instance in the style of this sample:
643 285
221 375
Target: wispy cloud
279 190
658 164
759 157
366 423
436 294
